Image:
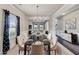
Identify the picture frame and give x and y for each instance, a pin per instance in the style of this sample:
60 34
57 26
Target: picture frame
70 23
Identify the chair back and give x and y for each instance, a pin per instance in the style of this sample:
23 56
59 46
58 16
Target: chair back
20 41
37 49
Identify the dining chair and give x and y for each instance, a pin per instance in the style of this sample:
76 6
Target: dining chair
54 50
37 49
53 45
20 44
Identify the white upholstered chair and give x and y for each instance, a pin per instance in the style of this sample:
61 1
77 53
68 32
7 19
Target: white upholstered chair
24 35
38 48
53 45
49 37
53 42
21 40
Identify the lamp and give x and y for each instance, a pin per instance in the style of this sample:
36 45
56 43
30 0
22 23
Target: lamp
36 17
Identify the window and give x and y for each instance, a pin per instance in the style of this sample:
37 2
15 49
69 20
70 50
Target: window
12 26
12 30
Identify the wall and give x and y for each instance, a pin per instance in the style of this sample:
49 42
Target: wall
50 24
71 17
1 30
59 13
61 27
47 26
64 9
17 12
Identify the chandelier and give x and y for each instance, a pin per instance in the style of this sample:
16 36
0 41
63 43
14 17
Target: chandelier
36 18
37 9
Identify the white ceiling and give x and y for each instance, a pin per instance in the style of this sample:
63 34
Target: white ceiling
43 10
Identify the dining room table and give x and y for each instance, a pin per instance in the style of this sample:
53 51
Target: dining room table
30 42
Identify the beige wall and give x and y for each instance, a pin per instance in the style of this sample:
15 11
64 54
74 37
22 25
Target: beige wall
50 24
17 12
1 30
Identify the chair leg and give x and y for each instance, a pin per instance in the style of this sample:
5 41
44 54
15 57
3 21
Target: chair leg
52 52
28 52
55 52
19 52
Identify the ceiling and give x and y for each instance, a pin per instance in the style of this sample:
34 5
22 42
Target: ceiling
43 9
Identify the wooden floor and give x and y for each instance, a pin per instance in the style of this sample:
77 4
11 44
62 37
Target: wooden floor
72 47
15 50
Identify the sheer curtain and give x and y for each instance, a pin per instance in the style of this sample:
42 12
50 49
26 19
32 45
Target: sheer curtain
12 30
